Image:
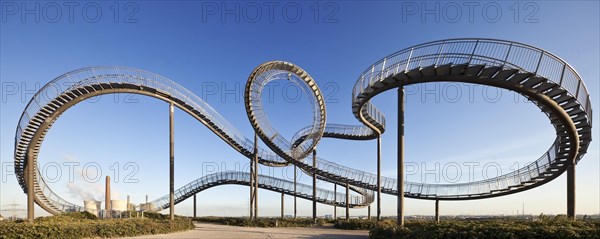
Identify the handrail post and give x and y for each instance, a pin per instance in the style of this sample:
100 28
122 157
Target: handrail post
507 54
439 53
382 68
473 52
371 76
539 63
408 60
562 74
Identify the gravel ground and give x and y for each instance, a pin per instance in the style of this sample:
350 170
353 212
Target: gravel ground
207 230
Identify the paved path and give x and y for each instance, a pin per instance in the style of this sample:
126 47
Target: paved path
207 230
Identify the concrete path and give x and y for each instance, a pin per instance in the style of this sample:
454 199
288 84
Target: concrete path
207 230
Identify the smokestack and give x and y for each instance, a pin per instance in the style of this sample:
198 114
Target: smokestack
107 195
146 199
128 203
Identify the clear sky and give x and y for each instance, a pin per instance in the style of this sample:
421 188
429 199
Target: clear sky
211 48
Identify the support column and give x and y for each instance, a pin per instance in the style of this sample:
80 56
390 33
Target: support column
369 212
334 201
314 178
29 167
437 210
252 188
282 204
571 191
347 202
171 161
378 180
295 201
400 206
255 162
194 205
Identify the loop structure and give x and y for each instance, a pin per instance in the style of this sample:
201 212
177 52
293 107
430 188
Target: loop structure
545 79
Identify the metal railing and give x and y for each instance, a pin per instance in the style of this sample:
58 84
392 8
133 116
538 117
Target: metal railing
266 182
489 52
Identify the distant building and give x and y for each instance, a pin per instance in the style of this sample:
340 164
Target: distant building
1 218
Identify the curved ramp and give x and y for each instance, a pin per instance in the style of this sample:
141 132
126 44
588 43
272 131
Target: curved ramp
549 82
274 184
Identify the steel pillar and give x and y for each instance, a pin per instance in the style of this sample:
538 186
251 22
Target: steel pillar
378 180
571 191
400 206
171 161
254 181
369 212
295 201
314 178
29 167
347 202
252 187
334 201
194 205
437 210
282 204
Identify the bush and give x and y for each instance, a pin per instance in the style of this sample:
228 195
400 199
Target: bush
261 222
85 225
546 227
355 224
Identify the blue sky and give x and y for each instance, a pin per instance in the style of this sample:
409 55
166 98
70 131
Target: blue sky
203 47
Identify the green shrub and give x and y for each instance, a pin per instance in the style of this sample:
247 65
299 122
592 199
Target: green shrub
546 227
355 224
261 222
85 225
